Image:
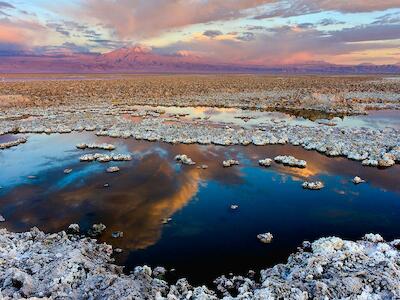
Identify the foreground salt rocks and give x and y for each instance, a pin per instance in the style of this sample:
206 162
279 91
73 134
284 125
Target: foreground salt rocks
96 229
73 229
68 267
329 268
35 264
290 161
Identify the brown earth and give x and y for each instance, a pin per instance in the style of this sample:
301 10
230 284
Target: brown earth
248 91
14 101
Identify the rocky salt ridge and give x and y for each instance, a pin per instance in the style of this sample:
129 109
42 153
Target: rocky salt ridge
11 144
105 157
95 146
372 147
290 161
61 265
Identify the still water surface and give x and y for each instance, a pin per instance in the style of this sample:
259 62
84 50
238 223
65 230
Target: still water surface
205 238
376 119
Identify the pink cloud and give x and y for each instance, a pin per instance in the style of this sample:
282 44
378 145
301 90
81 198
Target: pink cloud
356 5
139 18
135 20
287 8
290 44
20 32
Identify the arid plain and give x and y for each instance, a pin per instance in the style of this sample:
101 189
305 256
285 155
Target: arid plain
168 170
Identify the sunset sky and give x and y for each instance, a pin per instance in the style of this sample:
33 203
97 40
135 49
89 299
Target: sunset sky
264 32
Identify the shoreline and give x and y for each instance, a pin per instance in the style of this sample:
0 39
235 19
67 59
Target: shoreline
35 264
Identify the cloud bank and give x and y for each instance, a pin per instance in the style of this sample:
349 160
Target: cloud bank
262 32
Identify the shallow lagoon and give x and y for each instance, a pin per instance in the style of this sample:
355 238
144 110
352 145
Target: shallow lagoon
376 119
205 238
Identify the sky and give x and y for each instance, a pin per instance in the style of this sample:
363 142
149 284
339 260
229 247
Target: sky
257 32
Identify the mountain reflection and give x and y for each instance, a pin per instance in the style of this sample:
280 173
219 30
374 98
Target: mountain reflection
140 196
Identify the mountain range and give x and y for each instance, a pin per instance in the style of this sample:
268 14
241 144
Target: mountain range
143 60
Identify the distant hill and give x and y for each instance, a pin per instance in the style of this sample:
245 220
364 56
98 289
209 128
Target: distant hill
143 60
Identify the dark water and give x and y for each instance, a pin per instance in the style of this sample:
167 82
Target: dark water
205 238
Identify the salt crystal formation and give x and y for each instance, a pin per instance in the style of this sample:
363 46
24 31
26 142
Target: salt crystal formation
329 268
290 161
96 146
265 237
229 163
112 170
73 229
96 230
358 180
184 159
372 147
105 157
265 162
67 171
313 185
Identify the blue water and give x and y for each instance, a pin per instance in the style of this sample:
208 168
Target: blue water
205 238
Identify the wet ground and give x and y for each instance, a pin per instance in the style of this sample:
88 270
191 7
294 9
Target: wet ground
205 237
